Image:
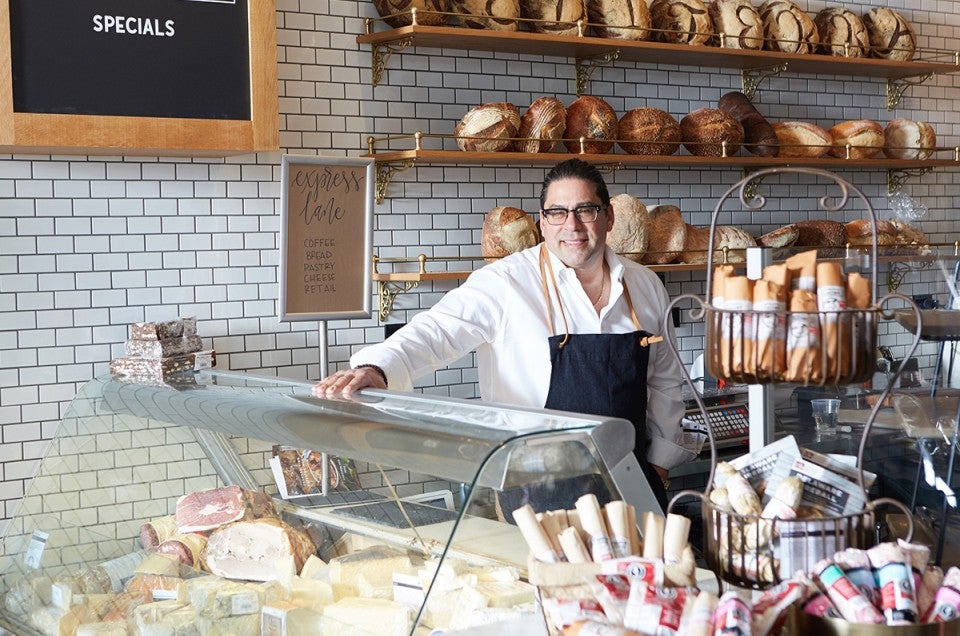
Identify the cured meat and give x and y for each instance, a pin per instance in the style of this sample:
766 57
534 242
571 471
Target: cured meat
249 550
187 548
209 509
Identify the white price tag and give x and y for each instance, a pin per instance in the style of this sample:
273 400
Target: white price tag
34 553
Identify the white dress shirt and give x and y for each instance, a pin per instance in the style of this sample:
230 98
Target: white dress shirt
499 311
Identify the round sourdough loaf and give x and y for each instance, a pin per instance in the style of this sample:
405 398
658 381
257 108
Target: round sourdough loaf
781 237
891 36
507 230
842 33
908 234
864 136
787 28
649 131
860 232
620 19
681 21
737 23
697 244
593 119
541 126
802 139
821 233
908 139
631 227
705 129
495 15
426 11
558 17
667 236
488 127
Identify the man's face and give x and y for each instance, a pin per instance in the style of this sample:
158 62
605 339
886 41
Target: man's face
575 243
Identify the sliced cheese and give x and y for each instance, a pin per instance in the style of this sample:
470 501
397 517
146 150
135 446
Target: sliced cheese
310 593
313 566
356 616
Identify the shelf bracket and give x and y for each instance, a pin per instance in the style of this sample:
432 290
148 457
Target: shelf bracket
385 172
387 292
897 178
586 66
750 78
896 87
750 190
898 271
382 53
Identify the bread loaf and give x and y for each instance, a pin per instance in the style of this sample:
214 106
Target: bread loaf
621 19
864 136
426 11
891 36
908 139
495 15
737 23
787 28
781 237
821 233
507 230
631 226
681 21
860 232
668 233
595 120
697 244
649 131
842 33
908 234
705 129
759 136
488 128
543 123
802 139
566 13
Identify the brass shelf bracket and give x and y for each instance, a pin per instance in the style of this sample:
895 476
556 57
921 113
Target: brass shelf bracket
382 53
750 190
750 78
385 172
898 271
387 292
896 88
586 66
896 179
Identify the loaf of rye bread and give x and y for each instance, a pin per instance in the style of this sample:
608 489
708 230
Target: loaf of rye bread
557 17
705 130
541 126
507 230
593 119
821 233
681 21
620 19
631 227
488 128
784 236
908 139
787 28
429 12
863 136
494 15
802 139
668 233
891 36
758 134
842 33
860 232
649 131
737 23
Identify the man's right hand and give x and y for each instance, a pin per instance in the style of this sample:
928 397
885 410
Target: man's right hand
347 381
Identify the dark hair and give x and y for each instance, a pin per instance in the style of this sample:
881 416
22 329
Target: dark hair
576 169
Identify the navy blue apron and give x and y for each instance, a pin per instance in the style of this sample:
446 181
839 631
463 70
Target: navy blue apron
602 374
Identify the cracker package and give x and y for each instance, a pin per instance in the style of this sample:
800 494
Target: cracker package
803 338
770 332
803 270
737 344
831 301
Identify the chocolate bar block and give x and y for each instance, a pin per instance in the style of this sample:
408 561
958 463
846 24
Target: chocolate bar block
164 348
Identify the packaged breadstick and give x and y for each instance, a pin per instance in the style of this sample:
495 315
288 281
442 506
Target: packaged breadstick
553 522
738 341
652 536
574 549
858 340
770 610
856 565
932 580
618 522
803 338
733 616
802 268
770 331
891 568
534 535
918 555
815 601
946 602
676 532
635 545
699 620
612 590
718 356
656 610
853 606
591 518
831 300
636 568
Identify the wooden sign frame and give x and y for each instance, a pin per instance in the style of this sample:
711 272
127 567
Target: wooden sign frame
43 133
326 237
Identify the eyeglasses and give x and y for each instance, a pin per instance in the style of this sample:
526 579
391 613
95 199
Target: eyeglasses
584 214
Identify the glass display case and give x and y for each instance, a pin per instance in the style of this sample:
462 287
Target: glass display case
413 528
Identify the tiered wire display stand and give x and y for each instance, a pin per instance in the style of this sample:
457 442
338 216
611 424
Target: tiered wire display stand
745 550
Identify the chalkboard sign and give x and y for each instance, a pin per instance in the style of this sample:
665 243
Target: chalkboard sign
146 58
326 237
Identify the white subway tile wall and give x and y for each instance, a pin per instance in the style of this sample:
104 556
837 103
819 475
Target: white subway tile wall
91 244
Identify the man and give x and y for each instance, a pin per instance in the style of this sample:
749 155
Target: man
560 326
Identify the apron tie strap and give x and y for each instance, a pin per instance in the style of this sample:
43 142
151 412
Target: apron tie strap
546 296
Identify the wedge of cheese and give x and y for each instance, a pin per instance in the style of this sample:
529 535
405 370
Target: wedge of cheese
363 616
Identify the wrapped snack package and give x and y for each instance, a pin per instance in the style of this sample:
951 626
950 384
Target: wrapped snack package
782 505
946 602
891 567
856 565
618 521
652 535
918 556
932 580
815 601
831 299
803 338
737 344
591 518
699 620
770 610
733 616
770 331
656 610
853 606
534 534
613 591
856 339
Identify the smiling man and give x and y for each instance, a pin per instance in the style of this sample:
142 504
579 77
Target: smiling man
561 325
